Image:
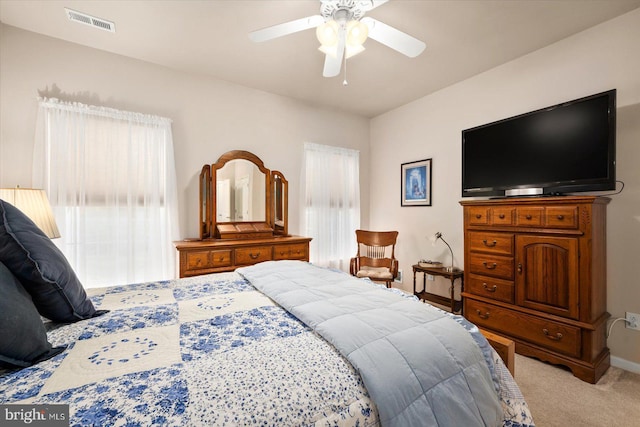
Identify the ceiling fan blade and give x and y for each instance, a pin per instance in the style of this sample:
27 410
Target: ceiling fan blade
393 38
286 28
374 4
333 63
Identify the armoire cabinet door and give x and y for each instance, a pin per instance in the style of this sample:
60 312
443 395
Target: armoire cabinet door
547 274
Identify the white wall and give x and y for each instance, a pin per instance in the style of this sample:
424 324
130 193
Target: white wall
601 58
209 116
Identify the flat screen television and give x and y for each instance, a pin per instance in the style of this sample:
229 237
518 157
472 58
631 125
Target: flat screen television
566 148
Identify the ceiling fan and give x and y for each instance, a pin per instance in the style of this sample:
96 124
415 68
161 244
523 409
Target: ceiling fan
341 29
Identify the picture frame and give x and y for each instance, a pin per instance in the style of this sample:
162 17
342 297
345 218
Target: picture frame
416 183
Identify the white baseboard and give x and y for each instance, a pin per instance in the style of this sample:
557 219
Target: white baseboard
625 364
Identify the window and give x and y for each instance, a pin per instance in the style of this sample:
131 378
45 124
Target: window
331 203
110 177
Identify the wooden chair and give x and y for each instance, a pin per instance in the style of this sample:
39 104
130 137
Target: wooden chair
376 256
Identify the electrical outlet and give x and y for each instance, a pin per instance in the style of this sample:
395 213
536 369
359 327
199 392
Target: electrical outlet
398 278
431 277
633 321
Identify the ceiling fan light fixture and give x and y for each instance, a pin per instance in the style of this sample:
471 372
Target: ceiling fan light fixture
348 53
357 33
327 33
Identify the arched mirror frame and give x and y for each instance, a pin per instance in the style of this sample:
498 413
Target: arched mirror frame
276 194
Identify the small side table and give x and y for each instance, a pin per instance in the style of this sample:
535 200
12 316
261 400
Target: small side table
452 303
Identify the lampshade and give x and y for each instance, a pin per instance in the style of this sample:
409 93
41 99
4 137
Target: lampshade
327 33
34 204
348 52
357 33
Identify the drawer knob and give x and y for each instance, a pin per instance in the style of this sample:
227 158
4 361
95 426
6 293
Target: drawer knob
528 216
489 245
254 256
489 266
484 316
478 216
560 217
490 289
556 337
501 216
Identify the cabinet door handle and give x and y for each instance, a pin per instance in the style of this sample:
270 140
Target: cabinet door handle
519 267
490 289
484 316
489 245
557 336
489 266
254 256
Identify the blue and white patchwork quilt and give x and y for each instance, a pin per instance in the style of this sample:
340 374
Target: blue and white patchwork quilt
208 350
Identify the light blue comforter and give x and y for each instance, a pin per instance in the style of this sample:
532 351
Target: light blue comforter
420 366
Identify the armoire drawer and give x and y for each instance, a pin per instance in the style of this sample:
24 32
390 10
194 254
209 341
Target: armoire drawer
491 265
561 216
478 215
530 216
495 243
497 289
253 255
552 335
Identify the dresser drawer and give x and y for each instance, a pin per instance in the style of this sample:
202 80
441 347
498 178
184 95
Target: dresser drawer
494 243
561 216
503 216
532 216
497 289
478 215
197 260
203 260
220 258
546 333
491 265
295 251
253 255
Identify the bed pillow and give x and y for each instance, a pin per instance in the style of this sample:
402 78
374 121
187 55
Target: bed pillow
23 339
41 268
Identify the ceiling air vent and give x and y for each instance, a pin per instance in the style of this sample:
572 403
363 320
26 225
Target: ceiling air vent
83 18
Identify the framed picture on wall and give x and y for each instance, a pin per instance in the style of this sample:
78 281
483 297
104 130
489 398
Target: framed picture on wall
416 183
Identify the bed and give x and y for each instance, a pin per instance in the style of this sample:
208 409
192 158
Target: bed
211 350
278 343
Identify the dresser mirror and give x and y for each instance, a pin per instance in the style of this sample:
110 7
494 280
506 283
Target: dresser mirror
241 198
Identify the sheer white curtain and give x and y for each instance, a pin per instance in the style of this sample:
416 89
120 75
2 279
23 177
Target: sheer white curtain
110 177
331 203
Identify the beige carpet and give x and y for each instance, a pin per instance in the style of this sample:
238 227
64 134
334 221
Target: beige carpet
557 398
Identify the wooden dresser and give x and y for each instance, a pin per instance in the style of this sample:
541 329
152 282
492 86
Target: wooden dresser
536 273
198 257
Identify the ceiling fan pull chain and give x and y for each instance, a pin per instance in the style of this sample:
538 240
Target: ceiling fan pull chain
345 82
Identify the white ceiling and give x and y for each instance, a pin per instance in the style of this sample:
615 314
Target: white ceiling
463 37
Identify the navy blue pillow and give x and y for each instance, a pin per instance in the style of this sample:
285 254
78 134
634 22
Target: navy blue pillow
42 268
23 339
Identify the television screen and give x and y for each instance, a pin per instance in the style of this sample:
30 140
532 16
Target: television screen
568 147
